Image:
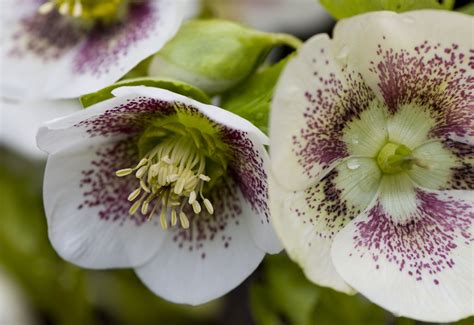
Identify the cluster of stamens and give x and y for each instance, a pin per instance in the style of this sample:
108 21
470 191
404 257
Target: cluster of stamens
85 9
171 177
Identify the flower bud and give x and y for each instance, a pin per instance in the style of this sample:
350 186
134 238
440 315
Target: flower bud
214 55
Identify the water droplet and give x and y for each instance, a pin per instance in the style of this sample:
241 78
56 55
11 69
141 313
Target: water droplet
343 53
355 140
353 164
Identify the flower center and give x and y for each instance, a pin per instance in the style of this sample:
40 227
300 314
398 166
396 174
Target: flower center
180 166
394 158
87 10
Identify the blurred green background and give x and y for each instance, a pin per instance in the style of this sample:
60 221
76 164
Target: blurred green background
48 290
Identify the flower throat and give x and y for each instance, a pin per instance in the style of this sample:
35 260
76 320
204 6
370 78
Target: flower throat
179 166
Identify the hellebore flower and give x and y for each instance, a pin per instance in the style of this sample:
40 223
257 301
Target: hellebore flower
156 181
20 121
371 150
295 16
68 48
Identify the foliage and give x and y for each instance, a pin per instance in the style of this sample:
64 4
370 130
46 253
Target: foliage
346 8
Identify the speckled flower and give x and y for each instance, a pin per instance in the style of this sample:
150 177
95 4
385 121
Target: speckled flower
372 138
169 186
67 48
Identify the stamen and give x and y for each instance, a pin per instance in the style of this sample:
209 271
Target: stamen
174 217
196 207
64 8
134 194
141 171
184 220
77 10
192 197
46 8
124 172
208 206
171 178
164 223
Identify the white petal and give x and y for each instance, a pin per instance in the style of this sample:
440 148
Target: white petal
440 167
20 121
296 16
418 58
398 198
304 142
216 114
73 62
249 164
307 221
87 209
204 262
422 270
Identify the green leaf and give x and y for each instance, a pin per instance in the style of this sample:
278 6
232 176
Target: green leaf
346 8
467 9
284 296
215 55
169 84
252 99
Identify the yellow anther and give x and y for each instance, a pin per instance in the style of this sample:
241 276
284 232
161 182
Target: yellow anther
134 194
77 10
145 206
208 206
46 8
64 8
192 197
196 207
134 207
184 220
124 172
174 217
141 171
204 178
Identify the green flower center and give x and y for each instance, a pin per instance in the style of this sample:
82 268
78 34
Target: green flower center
394 158
182 159
88 10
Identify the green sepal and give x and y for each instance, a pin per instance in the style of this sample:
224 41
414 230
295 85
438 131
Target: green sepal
252 99
215 55
178 87
346 8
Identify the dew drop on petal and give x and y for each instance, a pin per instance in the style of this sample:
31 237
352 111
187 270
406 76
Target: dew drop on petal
342 53
353 164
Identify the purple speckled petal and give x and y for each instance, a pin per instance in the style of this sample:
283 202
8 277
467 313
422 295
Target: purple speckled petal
307 221
422 58
87 209
211 258
248 167
315 100
63 59
422 269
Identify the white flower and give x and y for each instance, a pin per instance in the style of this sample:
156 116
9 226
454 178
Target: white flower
20 121
292 16
372 138
67 48
169 186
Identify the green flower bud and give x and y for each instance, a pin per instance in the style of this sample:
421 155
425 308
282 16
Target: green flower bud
215 55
